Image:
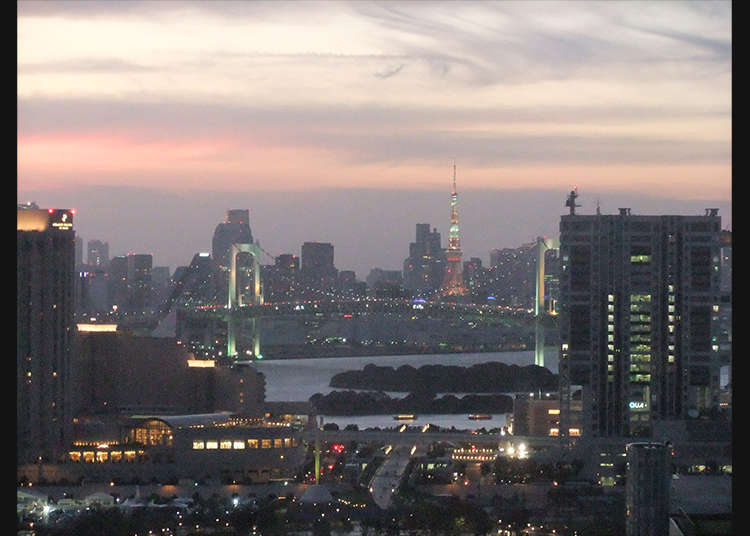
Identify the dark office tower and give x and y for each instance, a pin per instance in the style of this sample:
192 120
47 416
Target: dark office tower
235 230
725 311
512 275
118 282
79 252
647 490
159 284
473 272
347 282
196 284
639 320
288 265
378 276
139 281
281 281
423 269
44 320
317 268
98 254
92 291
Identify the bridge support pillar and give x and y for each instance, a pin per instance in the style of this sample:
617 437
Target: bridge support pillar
234 300
542 245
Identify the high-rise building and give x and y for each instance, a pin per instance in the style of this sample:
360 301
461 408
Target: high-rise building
647 490
317 266
98 254
79 251
473 272
92 291
511 275
423 269
235 230
639 320
118 281
44 319
159 284
281 281
139 281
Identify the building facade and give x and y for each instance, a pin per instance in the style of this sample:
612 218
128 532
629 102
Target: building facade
639 320
98 254
317 267
647 490
423 269
44 319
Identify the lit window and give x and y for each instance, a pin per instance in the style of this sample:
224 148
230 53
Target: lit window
225 444
575 432
198 445
212 444
278 443
115 456
265 443
252 443
238 445
75 456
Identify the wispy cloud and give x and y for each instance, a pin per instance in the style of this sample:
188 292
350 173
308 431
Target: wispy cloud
498 84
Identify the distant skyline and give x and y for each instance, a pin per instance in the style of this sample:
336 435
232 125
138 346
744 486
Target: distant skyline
343 118
368 228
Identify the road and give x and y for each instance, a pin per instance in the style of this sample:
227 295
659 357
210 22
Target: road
386 479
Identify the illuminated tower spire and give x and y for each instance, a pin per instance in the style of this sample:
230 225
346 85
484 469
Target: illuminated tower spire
453 282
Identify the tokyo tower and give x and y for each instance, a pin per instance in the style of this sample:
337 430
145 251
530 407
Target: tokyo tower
453 281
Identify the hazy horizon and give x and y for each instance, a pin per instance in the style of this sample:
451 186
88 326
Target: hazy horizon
369 228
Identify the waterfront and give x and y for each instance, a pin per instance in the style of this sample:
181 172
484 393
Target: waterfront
299 379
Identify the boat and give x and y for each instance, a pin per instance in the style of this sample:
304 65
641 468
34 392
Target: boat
479 416
405 417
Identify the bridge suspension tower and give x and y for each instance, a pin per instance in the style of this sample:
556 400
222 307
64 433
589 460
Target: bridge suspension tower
235 302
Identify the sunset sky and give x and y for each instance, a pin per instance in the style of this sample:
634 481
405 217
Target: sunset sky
339 121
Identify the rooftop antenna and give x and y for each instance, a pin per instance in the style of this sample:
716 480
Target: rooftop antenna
598 212
571 202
